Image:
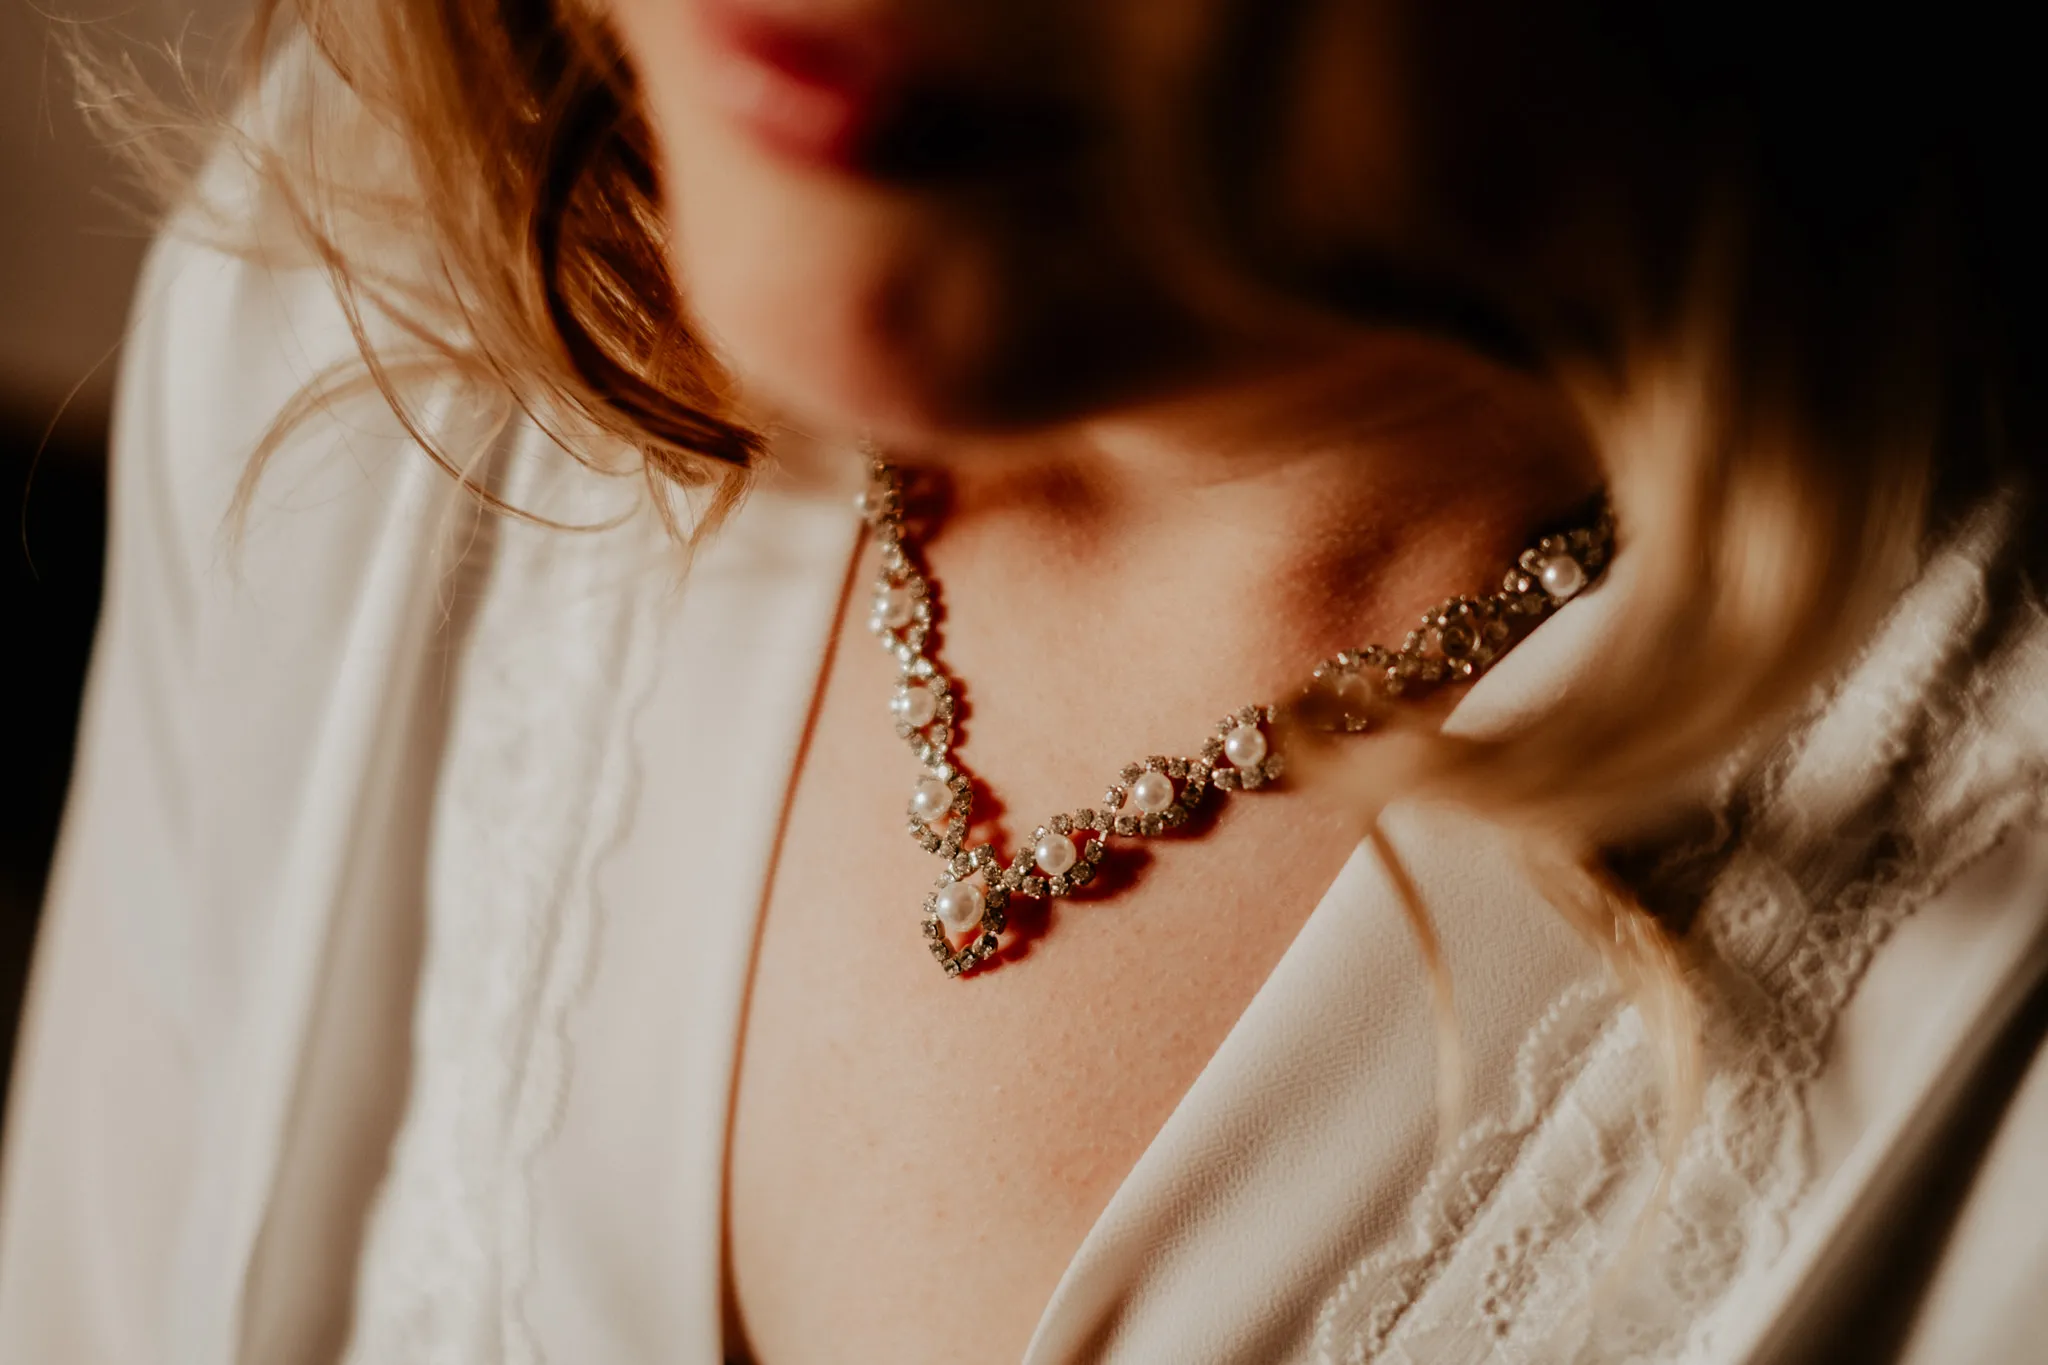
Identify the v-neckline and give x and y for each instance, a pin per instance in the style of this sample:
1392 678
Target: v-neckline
1355 896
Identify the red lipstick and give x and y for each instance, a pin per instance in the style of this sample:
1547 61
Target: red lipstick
810 91
863 97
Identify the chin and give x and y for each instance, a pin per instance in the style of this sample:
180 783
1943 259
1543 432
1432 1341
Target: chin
844 341
928 345
911 317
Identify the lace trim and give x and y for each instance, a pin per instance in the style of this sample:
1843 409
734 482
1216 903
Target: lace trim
544 1096
1508 1250
535 781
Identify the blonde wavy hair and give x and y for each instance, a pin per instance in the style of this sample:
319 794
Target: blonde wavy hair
1779 276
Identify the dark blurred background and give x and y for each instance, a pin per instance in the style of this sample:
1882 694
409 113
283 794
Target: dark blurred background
71 235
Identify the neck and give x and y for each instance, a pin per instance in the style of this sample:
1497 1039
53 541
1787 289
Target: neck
1282 520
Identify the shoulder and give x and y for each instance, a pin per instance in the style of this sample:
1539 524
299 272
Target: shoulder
1876 916
233 351
1866 917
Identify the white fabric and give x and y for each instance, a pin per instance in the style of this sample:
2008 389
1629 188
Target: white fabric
374 1019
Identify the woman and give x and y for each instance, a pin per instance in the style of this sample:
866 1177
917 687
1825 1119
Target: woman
478 937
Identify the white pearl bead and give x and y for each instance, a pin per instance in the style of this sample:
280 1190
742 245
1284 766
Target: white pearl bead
1152 792
960 906
895 607
1354 695
1055 854
1562 576
915 706
1245 746
931 799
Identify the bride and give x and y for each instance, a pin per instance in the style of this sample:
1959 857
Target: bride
1454 770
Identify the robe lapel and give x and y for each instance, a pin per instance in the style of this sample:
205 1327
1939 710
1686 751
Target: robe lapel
1301 1145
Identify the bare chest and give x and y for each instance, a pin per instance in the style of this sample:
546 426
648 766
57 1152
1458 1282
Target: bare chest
915 1160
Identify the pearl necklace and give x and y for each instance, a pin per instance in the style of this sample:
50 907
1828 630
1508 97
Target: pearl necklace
966 910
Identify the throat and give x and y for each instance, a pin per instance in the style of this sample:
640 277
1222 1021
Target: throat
1262 527
1244 585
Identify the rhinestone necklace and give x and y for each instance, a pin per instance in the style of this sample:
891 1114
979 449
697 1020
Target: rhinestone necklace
967 908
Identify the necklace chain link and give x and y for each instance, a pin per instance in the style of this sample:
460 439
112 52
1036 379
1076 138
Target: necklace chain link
967 909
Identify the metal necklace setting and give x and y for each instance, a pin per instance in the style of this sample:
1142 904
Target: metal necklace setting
967 909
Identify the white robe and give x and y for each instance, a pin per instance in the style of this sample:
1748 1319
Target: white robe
371 1022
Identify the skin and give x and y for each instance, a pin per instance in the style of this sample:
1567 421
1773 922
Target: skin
901 1141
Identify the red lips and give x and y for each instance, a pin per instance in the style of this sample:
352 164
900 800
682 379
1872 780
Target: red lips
811 91
861 96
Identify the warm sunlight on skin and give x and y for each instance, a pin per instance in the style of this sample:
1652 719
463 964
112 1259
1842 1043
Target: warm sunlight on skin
946 219
959 229
1089 682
